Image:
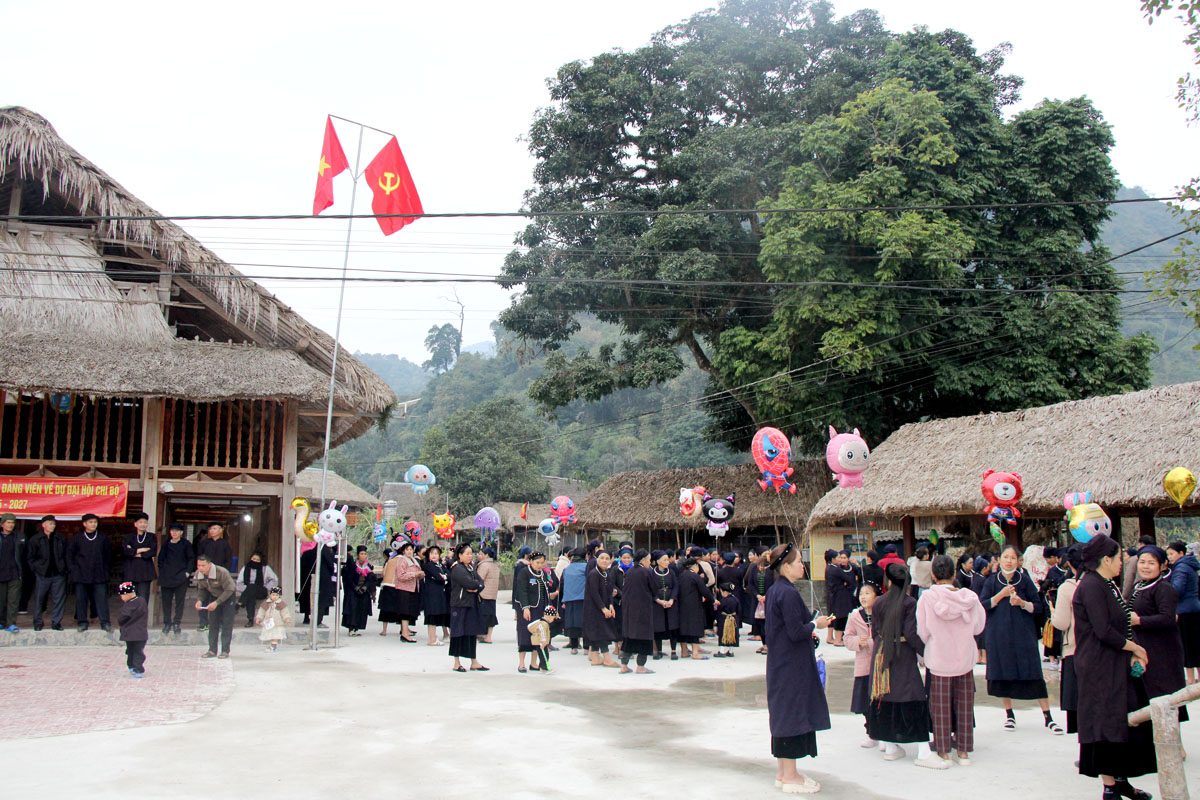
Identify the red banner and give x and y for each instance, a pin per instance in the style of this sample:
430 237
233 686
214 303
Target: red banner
63 497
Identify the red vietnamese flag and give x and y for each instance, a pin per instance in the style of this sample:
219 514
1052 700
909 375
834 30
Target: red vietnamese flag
393 187
333 162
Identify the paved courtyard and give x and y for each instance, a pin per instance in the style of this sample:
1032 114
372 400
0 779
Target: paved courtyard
385 716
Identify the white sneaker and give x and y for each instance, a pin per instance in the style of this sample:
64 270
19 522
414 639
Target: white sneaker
962 761
894 755
932 761
868 743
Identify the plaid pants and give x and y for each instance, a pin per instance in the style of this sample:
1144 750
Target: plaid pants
952 707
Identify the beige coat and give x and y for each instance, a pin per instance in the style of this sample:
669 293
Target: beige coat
1063 617
280 620
489 572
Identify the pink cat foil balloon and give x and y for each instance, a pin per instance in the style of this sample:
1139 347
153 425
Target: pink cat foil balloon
847 455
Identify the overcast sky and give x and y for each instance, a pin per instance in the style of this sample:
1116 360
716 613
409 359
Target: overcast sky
219 108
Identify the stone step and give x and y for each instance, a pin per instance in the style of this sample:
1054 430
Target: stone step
94 637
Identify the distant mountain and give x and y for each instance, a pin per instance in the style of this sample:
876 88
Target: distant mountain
406 378
485 349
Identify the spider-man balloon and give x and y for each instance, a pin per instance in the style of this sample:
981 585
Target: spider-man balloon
772 450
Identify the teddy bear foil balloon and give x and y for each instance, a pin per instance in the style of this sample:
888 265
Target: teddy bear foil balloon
848 456
421 478
548 528
562 508
331 523
718 511
443 525
1003 491
772 450
1085 518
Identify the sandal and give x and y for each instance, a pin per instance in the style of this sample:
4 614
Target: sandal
1053 727
1010 724
808 787
410 641
522 669
480 669
459 669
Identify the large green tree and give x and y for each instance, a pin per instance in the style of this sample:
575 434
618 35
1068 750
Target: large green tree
487 453
443 343
873 318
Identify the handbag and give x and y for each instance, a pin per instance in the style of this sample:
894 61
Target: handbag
1048 635
760 610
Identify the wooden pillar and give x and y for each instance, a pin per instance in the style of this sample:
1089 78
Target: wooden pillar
1015 535
1116 529
908 529
287 539
152 433
1146 523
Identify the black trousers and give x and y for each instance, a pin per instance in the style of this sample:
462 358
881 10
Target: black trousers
56 588
659 638
10 598
96 593
172 603
641 658
143 589
135 656
220 626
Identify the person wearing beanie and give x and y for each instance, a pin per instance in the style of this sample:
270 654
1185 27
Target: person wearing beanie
139 549
10 573
132 619
599 613
89 554
1106 660
47 553
666 604
637 617
358 584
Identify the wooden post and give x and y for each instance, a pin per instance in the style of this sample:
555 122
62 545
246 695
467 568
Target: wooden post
1146 523
1168 749
1015 535
152 431
1116 529
908 529
287 549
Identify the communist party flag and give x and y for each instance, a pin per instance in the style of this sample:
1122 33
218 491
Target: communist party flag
333 162
393 188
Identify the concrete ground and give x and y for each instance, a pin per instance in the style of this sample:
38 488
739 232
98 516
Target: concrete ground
379 715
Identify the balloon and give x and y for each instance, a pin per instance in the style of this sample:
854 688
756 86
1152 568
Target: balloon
771 450
934 537
421 478
718 512
1179 483
443 525
996 533
331 524
412 529
304 528
380 532
548 526
487 520
690 501
1002 490
1085 518
562 508
847 455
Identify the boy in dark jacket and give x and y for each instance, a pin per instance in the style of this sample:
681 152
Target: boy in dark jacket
176 560
132 620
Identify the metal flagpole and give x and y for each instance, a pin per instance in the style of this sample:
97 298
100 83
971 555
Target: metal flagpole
314 590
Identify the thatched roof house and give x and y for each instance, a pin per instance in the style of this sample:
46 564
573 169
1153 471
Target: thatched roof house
136 306
645 501
308 484
1119 447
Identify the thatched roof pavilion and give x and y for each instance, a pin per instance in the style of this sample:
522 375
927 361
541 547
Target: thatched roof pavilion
1119 447
308 484
649 501
86 313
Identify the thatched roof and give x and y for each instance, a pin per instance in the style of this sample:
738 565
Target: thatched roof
1118 447
308 484
650 500
33 156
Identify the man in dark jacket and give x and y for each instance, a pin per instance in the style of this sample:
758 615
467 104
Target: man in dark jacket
217 591
88 557
10 573
176 561
217 548
139 549
48 560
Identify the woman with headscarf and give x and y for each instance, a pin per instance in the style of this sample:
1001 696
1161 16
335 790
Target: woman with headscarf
694 596
435 599
1106 657
254 582
599 614
1063 620
531 595
796 704
1155 601
1014 667
666 604
489 572
840 589
358 584
465 621
899 711
637 615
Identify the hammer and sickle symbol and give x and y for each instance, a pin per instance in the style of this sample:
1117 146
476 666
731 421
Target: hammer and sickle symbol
389 182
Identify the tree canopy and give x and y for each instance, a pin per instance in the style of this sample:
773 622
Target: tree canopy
866 318
443 343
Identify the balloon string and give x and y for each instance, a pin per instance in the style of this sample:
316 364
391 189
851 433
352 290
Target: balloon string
812 590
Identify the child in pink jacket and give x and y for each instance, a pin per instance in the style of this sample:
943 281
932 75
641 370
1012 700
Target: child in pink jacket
948 620
857 639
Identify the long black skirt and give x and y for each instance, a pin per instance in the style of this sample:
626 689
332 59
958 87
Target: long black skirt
637 647
487 613
466 622
1068 694
437 620
524 640
356 609
1019 690
1130 759
860 696
463 646
899 722
801 746
389 605
1189 631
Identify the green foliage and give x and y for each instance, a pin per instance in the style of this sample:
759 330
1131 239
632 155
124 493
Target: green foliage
443 343
406 378
473 476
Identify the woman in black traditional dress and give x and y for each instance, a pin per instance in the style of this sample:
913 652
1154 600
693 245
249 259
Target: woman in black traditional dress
599 614
466 624
358 583
693 595
796 704
435 600
531 595
1014 667
840 590
964 571
899 711
1105 653
758 580
1155 626
666 605
637 614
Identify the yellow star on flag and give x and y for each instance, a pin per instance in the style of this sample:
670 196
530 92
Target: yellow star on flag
324 165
